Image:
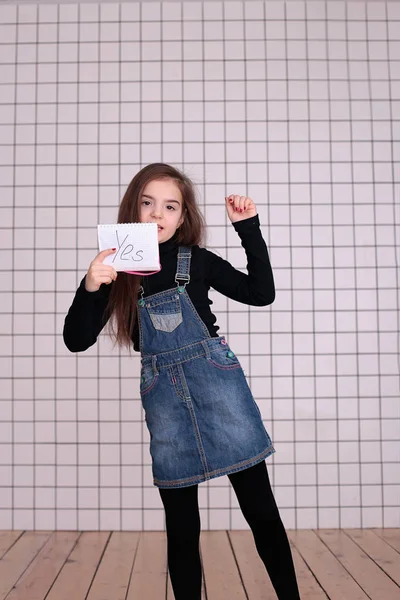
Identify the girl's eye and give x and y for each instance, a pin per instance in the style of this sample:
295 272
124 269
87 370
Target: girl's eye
147 203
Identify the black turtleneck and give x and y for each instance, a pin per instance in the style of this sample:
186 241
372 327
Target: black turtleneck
84 320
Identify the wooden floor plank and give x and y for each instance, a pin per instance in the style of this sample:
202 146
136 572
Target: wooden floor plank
77 574
18 558
349 564
308 586
43 570
254 575
391 536
149 576
7 539
221 575
383 554
114 572
365 571
332 576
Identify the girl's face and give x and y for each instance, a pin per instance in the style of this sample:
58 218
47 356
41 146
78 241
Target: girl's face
161 202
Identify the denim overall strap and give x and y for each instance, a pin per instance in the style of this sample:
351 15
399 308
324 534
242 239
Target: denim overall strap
168 320
183 267
182 271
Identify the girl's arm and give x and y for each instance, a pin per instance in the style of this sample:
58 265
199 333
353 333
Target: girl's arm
85 318
257 288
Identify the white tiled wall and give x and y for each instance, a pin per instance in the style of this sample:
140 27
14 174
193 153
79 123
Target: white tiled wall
297 105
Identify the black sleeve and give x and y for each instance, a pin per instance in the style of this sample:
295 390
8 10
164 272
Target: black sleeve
257 288
85 318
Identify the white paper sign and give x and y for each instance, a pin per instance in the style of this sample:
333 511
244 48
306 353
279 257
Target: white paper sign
136 244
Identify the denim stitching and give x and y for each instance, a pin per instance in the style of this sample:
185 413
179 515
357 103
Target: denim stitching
225 471
225 367
203 354
198 437
150 387
177 391
188 346
155 304
183 348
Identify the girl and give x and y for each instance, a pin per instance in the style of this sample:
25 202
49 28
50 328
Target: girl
201 415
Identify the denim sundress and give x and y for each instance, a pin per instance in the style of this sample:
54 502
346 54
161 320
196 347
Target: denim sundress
201 415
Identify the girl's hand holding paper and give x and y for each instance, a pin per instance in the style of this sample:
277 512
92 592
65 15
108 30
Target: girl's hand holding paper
99 273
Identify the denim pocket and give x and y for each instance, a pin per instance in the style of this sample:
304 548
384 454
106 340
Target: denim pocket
148 379
224 358
166 316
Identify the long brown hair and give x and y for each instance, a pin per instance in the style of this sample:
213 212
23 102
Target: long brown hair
122 304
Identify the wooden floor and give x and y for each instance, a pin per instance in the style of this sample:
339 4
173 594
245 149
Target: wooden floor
349 564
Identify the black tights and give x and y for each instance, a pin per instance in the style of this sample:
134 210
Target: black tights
256 500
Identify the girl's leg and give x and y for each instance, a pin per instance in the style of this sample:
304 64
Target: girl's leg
183 536
253 491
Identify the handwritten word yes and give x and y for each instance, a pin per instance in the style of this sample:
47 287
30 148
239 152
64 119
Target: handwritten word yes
125 251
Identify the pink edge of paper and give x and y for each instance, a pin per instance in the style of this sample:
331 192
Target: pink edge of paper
144 273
